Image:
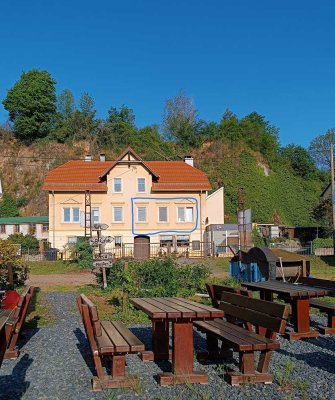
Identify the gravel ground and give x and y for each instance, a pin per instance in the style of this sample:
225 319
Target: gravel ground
55 364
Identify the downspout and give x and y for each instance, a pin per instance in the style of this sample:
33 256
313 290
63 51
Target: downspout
201 238
53 220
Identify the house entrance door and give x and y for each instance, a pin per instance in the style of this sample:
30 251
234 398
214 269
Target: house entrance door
142 247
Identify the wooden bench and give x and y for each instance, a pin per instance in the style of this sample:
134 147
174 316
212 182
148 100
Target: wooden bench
215 292
16 321
3 339
112 340
319 283
272 317
329 309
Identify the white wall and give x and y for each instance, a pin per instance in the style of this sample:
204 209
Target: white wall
215 207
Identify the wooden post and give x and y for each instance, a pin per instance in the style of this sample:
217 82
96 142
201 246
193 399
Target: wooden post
125 293
10 276
103 270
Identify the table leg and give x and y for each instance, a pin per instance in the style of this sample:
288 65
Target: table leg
265 295
300 312
182 357
160 343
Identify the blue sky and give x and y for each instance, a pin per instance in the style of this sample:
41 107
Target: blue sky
273 57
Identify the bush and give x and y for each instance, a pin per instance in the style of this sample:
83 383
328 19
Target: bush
26 241
157 278
83 254
318 243
9 258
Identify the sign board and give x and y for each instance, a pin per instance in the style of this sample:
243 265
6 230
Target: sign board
103 257
95 241
102 264
100 227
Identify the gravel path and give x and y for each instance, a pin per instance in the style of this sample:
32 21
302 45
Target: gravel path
55 365
68 279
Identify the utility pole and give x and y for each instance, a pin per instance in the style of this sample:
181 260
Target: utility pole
241 217
333 189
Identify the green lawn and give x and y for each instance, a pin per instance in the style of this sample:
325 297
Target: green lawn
323 267
51 267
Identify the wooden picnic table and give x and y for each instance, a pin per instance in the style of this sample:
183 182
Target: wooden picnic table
182 313
298 295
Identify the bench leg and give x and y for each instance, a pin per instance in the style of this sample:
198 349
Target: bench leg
160 343
247 372
330 329
11 352
118 378
213 352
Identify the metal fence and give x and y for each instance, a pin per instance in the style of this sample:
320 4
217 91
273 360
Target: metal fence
307 250
156 250
195 249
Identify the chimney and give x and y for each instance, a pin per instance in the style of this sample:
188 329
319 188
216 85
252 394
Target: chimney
102 157
88 157
189 160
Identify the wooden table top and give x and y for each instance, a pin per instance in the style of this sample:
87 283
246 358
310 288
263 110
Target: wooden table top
285 288
3 321
175 308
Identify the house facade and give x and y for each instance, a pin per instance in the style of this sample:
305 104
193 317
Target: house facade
150 203
37 226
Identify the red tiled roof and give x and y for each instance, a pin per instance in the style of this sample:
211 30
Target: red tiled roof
90 175
177 175
77 176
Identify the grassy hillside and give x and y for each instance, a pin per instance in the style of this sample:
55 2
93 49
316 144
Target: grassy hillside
266 189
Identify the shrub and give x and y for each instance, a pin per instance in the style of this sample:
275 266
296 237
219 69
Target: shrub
83 254
26 241
318 243
157 278
9 258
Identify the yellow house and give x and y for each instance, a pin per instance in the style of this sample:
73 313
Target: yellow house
160 206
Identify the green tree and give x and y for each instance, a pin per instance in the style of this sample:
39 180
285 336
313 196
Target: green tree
180 122
260 135
27 242
8 207
320 149
65 105
122 125
84 123
300 160
229 127
323 214
31 104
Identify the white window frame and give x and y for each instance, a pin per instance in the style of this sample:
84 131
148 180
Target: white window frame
145 186
71 221
72 242
121 184
113 209
137 214
185 215
95 209
167 215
